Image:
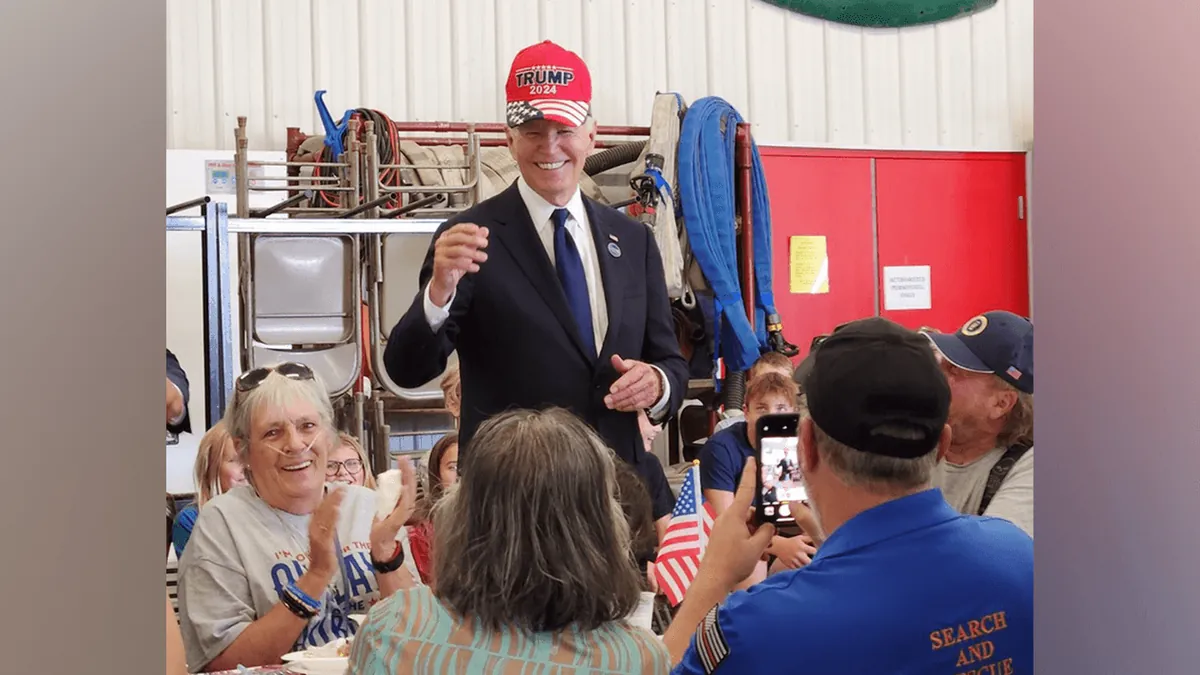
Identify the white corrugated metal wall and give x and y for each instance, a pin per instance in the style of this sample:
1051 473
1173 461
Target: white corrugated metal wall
964 84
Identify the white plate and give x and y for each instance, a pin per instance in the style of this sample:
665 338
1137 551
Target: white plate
307 663
298 662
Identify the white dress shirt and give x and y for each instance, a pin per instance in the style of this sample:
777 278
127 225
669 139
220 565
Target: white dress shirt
541 213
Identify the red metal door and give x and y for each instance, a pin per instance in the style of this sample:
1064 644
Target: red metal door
961 216
821 193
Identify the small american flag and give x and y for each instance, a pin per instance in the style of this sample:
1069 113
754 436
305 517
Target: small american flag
687 537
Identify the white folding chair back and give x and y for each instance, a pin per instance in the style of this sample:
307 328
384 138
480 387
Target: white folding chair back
402 255
300 290
306 300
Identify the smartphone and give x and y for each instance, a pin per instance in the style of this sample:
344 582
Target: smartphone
778 458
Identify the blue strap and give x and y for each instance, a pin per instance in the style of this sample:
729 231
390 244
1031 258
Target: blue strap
311 603
574 283
707 199
660 183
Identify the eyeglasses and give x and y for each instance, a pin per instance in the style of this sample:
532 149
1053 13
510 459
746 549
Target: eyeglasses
352 466
249 380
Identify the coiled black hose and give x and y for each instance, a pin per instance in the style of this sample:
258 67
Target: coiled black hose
613 157
387 143
735 390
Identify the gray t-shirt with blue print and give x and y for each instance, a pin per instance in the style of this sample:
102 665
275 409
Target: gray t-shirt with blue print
242 553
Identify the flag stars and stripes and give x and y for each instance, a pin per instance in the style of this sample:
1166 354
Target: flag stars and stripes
520 112
710 642
678 559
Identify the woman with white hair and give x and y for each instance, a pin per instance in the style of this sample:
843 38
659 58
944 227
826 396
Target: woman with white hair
279 564
533 565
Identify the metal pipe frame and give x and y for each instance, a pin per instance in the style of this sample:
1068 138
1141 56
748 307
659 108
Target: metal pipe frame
183 206
601 144
343 187
213 224
375 188
743 161
215 227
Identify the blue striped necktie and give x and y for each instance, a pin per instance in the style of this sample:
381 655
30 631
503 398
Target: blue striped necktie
574 282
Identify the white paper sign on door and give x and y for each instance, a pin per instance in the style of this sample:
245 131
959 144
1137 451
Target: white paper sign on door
907 287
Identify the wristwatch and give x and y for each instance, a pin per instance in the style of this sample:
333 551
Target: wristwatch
391 565
658 420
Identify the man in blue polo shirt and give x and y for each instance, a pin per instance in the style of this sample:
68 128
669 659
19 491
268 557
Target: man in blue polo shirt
902 582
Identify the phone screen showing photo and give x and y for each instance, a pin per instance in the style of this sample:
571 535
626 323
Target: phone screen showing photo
780 476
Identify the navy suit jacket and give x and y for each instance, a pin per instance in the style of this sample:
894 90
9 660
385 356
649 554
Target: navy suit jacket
517 343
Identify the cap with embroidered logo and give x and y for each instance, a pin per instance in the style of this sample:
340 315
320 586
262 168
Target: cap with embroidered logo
998 342
549 82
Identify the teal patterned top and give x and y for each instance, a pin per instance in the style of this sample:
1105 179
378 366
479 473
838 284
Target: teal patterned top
411 632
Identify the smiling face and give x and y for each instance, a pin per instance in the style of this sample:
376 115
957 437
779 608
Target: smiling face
232 471
288 448
551 156
648 429
345 466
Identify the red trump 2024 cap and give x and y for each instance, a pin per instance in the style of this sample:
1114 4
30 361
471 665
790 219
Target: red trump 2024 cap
548 82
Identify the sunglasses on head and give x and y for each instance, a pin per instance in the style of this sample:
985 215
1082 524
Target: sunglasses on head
250 379
816 342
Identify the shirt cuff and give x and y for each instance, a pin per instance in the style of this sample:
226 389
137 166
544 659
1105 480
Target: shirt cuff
656 411
178 418
436 316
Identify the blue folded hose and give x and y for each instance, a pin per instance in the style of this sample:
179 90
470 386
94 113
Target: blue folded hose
706 177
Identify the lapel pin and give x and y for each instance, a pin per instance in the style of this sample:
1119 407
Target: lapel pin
613 237
614 250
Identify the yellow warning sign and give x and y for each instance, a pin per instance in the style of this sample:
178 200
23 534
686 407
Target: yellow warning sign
808 264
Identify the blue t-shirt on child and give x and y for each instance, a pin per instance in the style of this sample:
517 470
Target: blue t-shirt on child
181 531
722 458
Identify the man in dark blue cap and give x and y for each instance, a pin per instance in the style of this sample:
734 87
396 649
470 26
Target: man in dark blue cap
902 582
988 468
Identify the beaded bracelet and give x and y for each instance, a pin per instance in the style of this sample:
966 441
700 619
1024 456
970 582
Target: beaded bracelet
299 600
295 606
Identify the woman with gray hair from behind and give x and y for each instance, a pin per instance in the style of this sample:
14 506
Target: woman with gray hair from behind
278 565
533 564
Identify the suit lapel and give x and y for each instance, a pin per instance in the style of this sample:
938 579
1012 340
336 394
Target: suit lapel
611 275
519 237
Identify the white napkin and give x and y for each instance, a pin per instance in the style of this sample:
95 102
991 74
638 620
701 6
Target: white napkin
389 486
643 615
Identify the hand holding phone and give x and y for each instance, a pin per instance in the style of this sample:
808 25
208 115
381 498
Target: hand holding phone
777 457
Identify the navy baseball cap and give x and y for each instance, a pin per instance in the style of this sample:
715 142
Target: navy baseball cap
874 372
998 343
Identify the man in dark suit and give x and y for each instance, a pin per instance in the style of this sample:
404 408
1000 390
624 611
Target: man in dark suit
178 420
550 298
